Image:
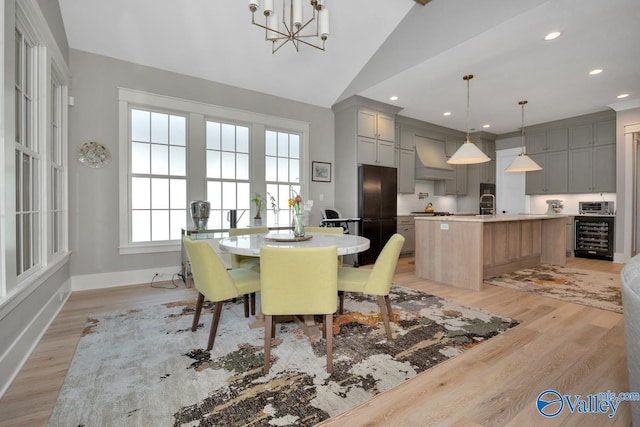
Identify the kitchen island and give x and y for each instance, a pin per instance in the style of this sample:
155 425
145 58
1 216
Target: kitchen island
463 250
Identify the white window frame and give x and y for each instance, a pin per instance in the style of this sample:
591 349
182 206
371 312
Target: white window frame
32 23
198 113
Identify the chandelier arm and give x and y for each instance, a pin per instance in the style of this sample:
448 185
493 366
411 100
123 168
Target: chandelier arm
313 45
283 35
302 27
275 49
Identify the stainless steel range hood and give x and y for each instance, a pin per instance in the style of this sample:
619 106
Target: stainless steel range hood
431 160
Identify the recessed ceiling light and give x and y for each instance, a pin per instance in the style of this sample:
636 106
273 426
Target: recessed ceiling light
596 71
393 98
552 35
486 126
623 95
448 113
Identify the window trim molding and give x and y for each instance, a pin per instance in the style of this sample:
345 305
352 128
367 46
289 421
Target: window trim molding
128 97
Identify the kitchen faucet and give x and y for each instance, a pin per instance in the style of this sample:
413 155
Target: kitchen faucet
493 202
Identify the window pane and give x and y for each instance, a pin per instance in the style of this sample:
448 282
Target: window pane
294 170
228 137
271 169
159 128
294 146
178 131
178 188
213 135
140 226
140 126
213 164
242 139
283 169
26 182
159 225
244 195
228 165
228 195
217 220
140 193
214 194
242 164
159 193
283 144
178 161
159 159
270 144
140 158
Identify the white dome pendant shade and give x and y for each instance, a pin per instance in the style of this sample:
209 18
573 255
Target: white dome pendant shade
523 163
468 153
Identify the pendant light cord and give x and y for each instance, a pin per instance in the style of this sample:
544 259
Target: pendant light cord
467 78
523 138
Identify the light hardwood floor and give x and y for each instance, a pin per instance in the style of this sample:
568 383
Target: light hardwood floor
567 347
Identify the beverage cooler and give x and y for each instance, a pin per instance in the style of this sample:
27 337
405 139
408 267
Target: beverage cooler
594 237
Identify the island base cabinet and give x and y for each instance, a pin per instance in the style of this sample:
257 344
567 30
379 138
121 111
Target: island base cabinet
510 246
448 252
463 252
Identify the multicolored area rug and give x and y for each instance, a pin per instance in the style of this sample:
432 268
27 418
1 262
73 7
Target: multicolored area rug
146 367
592 288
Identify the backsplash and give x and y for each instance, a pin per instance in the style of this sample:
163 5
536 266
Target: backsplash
411 203
538 204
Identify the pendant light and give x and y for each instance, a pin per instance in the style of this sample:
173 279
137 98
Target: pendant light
468 153
523 163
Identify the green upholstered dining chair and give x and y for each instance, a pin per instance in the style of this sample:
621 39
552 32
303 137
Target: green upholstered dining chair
298 281
246 261
215 282
375 281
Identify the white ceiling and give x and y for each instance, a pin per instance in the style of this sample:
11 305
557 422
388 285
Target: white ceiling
379 48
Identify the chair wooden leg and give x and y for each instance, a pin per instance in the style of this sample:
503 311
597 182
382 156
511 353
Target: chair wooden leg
389 310
246 305
341 298
196 315
385 316
252 298
214 324
268 326
328 328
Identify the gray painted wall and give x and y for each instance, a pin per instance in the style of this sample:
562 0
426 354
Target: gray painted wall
93 193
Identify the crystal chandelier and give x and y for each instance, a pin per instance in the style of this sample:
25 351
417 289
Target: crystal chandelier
468 153
523 163
294 29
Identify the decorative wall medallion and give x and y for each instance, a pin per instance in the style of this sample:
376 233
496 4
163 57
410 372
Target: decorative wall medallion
94 155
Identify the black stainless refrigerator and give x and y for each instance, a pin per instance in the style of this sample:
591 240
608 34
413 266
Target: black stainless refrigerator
377 204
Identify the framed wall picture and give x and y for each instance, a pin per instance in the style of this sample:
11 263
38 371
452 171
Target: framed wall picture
321 171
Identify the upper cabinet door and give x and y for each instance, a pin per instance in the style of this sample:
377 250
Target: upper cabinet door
386 127
367 123
580 136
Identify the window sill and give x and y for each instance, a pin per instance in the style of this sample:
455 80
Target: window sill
146 248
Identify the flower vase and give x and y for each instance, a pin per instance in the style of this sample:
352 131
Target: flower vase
298 225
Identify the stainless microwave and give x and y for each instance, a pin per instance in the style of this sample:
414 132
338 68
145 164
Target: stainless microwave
602 207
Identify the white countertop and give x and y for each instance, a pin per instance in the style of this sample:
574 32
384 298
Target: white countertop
489 218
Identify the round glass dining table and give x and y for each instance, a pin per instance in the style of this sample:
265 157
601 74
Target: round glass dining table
249 244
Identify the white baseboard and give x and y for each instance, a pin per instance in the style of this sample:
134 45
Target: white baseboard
620 258
123 278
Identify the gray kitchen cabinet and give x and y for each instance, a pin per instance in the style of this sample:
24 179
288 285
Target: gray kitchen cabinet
406 138
592 169
405 159
547 140
406 227
353 116
377 125
376 152
588 134
376 138
553 178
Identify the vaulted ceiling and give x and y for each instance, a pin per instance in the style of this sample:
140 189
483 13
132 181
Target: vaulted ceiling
380 48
